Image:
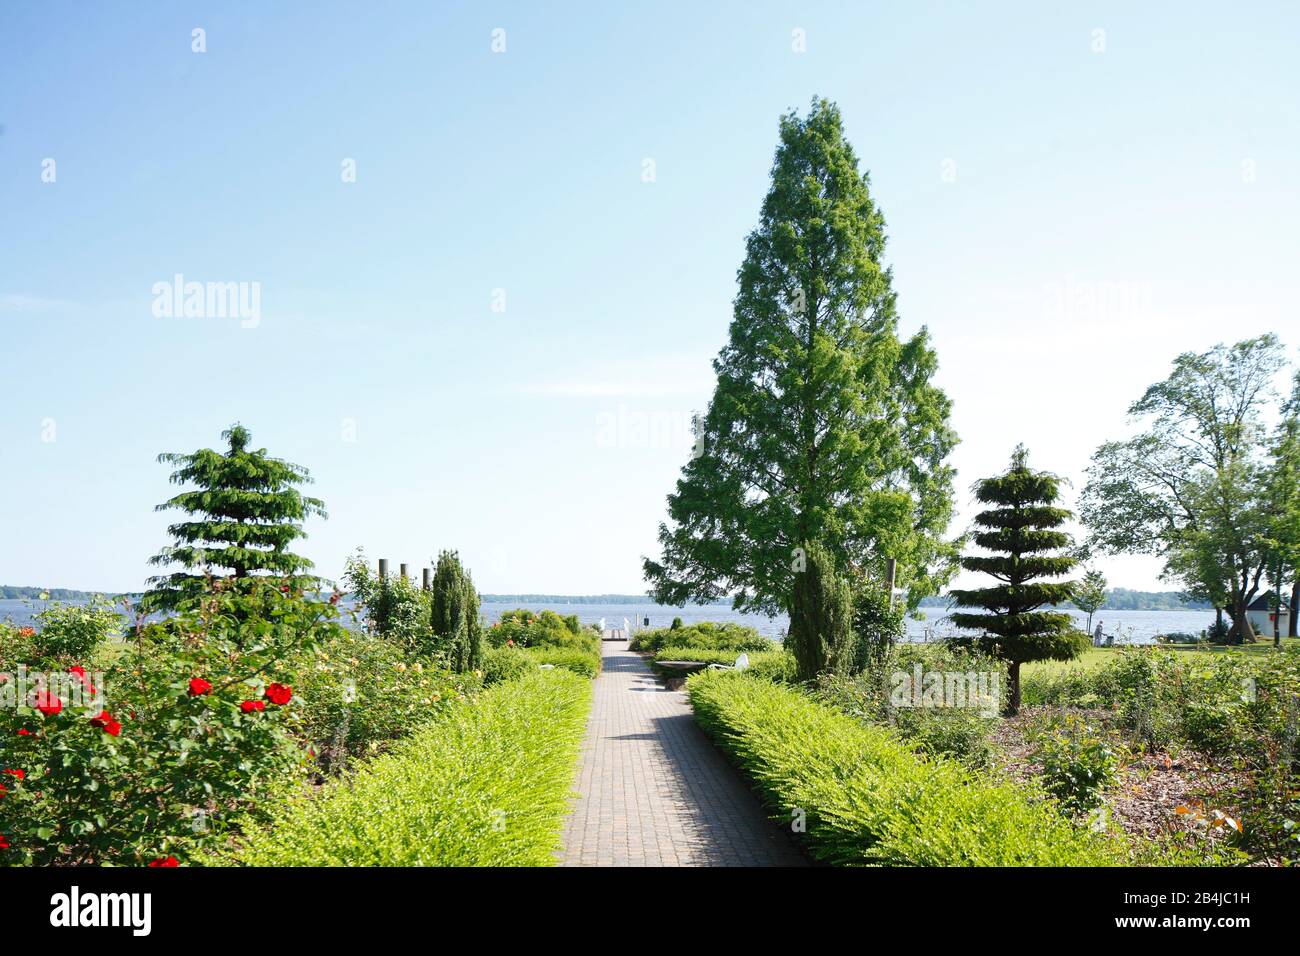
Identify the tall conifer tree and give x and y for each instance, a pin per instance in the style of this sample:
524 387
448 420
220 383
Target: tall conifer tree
244 512
1022 532
824 429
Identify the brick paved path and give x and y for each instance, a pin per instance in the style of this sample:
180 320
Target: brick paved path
653 790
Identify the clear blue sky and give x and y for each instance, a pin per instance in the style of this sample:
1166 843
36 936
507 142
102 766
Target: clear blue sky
1108 210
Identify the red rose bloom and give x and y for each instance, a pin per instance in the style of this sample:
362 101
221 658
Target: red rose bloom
278 694
165 861
106 722
249 706
4 844
79 672
17 774
199 687
24 732
47 703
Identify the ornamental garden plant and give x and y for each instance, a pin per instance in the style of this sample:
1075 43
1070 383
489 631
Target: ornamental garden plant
522 639
1026 550
190 733
361 694
243 510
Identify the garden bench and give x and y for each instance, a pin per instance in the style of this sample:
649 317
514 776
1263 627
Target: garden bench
689 667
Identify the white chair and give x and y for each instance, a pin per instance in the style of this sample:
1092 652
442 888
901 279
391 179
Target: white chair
742 663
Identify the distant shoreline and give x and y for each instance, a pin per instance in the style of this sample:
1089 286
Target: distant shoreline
1119 599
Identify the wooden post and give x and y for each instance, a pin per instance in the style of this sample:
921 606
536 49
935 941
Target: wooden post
891 569
383 568
428 583
402 571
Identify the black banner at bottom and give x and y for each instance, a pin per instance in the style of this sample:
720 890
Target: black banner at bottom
332 906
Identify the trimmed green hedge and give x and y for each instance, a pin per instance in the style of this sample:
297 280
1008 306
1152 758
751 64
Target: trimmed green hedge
868 799
485 785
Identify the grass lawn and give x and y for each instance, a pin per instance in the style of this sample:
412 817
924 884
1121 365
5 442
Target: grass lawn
1095 657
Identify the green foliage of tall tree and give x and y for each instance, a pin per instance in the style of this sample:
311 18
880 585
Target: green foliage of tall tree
820 634
458 633
1282 505
1191 487
1090 594
1022 533
244 512
823 427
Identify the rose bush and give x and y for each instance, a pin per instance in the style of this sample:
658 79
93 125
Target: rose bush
76 631
359 693
163 758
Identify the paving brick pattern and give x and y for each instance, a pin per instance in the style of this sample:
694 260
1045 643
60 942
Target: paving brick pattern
653 790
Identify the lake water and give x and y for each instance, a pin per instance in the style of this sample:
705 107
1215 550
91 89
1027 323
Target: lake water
1129 627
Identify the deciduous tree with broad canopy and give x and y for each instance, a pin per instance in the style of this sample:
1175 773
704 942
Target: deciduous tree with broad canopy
1193 486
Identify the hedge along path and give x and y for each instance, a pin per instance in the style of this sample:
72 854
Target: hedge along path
869 799
653 791
485 785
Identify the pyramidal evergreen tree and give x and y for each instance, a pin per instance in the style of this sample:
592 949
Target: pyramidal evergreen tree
243 513
1022 533
824 430
458 633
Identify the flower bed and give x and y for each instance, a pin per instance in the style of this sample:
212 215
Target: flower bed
184 735
361 693
523 640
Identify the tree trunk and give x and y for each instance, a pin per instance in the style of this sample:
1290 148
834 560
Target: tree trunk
1295 606
1013 689
1277 603
1242 632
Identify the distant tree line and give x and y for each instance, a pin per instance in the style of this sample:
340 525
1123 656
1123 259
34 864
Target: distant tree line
9 592
525 599
1122 599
